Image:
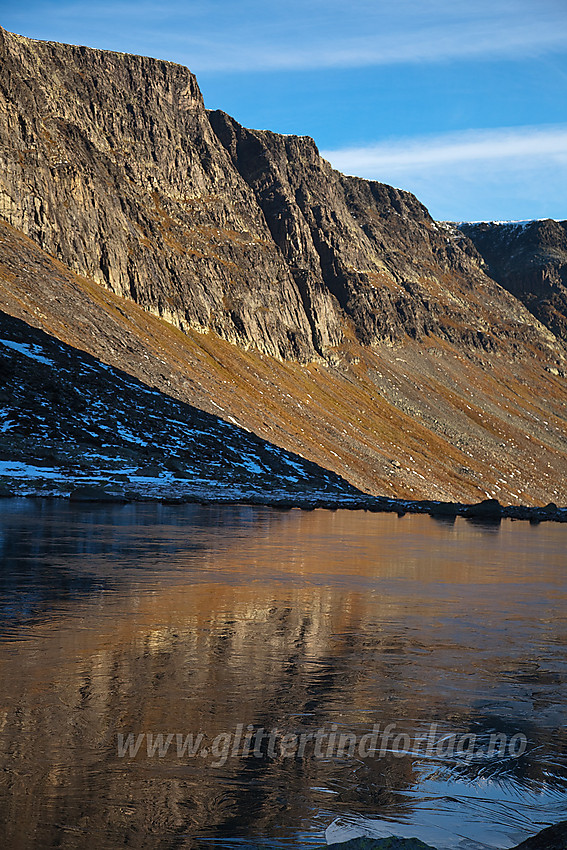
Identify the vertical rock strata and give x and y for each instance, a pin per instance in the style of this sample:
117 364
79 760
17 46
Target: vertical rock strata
372 250
111 163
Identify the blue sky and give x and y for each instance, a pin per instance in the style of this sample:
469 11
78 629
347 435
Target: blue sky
463 102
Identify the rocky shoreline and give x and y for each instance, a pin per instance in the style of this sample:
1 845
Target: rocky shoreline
488 510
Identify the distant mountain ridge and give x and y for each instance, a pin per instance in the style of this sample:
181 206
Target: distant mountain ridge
530 260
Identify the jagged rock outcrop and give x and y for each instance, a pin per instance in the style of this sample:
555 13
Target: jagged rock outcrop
530 260
111 163
550 838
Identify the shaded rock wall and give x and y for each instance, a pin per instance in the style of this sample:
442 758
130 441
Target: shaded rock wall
374 248
530 261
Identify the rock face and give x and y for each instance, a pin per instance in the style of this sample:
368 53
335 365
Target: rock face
111 163
530 260
372 250
418 420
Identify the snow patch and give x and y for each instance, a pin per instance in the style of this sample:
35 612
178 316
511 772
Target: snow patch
30 351
129 436
17 469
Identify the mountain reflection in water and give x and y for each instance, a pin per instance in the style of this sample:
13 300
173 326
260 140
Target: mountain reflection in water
119 619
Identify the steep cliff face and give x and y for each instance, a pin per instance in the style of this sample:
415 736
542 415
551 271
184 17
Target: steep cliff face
111 163
369 248
530 260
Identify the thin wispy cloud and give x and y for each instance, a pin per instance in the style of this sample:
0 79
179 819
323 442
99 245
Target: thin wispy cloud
219 35
480 174
527 144
431 44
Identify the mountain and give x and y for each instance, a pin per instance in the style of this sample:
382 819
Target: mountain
236 272
530 260
113 166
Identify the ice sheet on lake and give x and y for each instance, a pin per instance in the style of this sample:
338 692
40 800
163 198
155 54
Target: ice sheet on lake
453 815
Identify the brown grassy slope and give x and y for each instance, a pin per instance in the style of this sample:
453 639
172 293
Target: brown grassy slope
412 421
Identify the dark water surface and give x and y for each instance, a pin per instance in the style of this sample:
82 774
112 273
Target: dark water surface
348 673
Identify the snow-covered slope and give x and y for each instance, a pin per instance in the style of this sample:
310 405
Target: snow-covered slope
68 421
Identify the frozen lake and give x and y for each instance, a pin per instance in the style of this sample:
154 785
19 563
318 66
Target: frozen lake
313 676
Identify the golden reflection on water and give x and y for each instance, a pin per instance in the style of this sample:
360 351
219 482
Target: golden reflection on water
199 619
